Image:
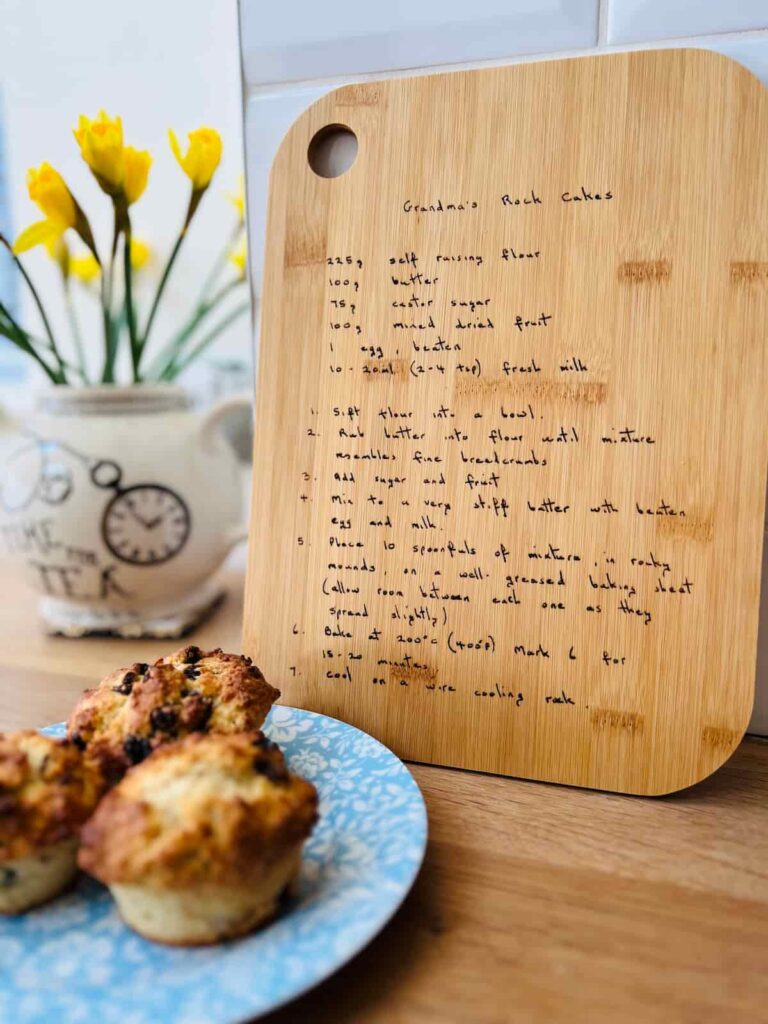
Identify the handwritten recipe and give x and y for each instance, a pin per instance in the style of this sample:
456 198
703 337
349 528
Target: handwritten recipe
455 520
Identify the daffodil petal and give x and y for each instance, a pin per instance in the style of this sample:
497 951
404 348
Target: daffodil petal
84 268
175 147
48 190
140 253
136 172
202 156
42 232
238 198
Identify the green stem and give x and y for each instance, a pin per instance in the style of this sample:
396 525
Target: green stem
107 373
172 350
41 343
161 289
220 262
37 344
110 339
223 292
121 320
112 256
130 312
17 336
75 328
175 368
38 302
194 201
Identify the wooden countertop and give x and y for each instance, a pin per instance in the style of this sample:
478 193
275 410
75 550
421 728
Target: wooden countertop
536 903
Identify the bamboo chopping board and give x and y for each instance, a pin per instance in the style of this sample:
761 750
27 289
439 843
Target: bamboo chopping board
510 459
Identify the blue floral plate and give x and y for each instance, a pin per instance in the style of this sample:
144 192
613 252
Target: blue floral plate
74 961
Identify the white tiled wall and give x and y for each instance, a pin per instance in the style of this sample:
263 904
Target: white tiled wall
303 40
295 51
635 21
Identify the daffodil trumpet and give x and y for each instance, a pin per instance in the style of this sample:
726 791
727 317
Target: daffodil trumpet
202 158
101 146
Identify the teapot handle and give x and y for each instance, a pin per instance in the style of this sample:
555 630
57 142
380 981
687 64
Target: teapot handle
220 413
236 536
209 430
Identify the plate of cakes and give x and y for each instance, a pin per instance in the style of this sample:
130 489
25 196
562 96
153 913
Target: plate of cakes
184 850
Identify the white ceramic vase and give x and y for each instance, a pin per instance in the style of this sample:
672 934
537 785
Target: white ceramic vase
118 504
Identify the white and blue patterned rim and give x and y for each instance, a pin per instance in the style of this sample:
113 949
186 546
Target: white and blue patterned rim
74 961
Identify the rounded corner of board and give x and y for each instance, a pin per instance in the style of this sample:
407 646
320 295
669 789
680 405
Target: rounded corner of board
297 126
323 112
723 744
706 56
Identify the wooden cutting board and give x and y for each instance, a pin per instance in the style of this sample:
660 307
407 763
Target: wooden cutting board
510 458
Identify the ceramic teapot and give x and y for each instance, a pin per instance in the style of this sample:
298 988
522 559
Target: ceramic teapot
118 504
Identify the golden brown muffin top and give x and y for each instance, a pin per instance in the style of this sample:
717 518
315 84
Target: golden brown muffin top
46 792
210 808
135 710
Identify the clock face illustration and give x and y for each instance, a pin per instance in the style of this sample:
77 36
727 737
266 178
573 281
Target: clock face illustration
146 524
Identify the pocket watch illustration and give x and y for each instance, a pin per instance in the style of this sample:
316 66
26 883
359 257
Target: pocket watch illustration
146 524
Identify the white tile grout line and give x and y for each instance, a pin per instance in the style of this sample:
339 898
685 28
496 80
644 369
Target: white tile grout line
300 85
602 23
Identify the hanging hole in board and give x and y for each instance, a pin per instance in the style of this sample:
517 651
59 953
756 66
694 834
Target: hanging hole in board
332 151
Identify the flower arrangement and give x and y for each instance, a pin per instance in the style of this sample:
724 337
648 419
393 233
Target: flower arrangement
122 173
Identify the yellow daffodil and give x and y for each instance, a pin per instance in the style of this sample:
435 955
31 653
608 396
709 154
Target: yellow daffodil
84 268
238 198
136 164
202 157
140 253
49 191
238 258
101 146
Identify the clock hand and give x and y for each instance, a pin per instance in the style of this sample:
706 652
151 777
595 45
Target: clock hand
148 525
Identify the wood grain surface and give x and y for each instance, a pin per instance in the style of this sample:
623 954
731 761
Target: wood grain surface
42 677
546 905
536 903
508 513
